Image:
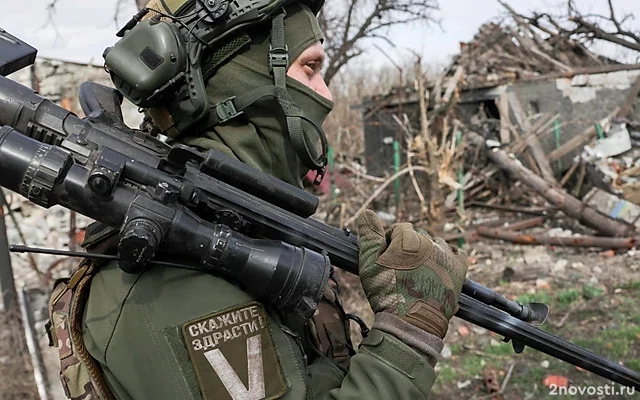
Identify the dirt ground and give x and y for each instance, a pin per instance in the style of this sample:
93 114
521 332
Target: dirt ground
16 374
593 297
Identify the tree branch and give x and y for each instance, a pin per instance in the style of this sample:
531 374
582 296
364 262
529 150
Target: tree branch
365 20
598 33
581 28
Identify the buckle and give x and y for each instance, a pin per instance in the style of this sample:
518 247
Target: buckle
320 172
48 329
278 57
227 110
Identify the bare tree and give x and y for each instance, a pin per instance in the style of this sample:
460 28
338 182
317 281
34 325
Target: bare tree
585 28
594 26
346 24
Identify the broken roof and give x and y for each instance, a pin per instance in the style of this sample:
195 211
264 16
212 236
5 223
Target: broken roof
502 53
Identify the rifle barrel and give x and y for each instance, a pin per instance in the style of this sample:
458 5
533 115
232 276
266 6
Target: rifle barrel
520 332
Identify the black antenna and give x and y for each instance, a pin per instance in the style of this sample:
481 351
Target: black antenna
16 248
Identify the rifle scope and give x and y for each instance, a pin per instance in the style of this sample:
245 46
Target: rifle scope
290 277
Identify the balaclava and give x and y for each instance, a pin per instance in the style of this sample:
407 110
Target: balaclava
259 136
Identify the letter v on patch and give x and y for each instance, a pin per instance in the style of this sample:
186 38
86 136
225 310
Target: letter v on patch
233 354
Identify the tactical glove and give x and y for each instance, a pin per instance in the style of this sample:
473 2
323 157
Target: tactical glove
410 275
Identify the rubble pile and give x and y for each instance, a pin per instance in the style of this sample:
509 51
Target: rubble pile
614 162
505 53
525 120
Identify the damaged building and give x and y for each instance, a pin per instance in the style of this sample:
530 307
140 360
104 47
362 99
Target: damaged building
509 85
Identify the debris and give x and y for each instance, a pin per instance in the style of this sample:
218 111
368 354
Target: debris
578 140
536 255
386 217
463 384
613 206
617 142
572 241
569 204
559 266
499 54
530 273
539 156
545 364
559 232
543 284
479 330
446 351
472 236
491 381
448 227
521 210
496 253
463 330
608 253
556 380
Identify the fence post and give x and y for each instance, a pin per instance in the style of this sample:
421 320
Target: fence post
396 169
557 133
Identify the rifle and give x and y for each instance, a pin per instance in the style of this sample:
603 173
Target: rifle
215 213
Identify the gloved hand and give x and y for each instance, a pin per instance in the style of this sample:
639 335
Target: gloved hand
408 274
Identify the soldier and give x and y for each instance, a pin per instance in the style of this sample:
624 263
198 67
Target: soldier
170 333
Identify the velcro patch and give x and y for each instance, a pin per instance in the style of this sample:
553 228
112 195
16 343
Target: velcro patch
233 354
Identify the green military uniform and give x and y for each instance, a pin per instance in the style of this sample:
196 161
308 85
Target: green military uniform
171 333
134 328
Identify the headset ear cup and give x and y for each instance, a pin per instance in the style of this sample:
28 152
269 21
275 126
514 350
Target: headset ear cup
157 63
146 64
181 52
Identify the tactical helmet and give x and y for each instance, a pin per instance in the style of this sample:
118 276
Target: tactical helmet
158 63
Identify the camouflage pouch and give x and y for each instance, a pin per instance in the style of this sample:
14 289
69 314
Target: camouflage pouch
80 374
329 328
